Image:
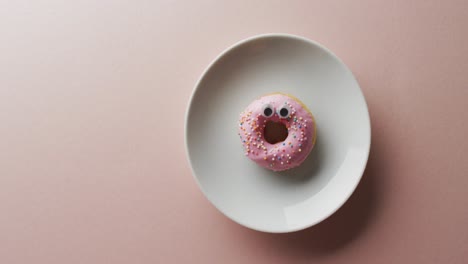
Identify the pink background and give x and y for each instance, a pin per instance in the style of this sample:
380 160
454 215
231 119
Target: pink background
92 102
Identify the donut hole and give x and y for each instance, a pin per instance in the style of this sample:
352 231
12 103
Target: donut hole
275 132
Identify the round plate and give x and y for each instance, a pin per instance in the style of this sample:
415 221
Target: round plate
256 197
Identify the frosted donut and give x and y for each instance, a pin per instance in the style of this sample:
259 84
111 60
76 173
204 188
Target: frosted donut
277 131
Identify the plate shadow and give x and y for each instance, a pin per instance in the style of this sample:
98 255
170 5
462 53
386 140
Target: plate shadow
344 226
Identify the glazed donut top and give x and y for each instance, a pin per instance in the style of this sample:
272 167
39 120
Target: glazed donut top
281 109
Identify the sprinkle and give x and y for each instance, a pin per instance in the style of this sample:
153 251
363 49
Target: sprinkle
264 158
300 150
289 157
272 158
282 163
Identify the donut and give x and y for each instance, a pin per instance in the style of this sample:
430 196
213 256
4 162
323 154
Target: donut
277 131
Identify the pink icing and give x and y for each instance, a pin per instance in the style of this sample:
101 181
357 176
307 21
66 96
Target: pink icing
283 155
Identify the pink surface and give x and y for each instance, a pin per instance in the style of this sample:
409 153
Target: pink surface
281 155
92 101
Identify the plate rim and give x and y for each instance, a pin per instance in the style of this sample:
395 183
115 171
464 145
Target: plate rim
190 104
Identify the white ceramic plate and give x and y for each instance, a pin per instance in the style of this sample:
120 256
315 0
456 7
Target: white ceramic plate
248 194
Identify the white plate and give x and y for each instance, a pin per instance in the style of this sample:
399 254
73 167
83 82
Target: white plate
248 194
